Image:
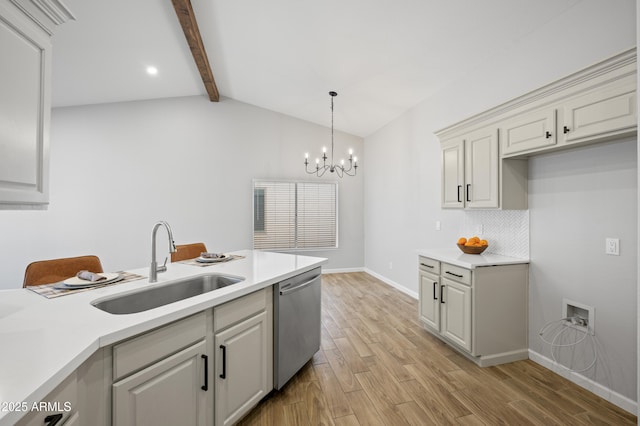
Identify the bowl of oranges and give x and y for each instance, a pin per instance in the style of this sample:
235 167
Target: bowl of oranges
473 245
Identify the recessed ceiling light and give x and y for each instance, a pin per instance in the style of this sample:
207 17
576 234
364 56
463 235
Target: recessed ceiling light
152 70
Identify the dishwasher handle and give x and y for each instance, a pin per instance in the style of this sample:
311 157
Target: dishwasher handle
297 287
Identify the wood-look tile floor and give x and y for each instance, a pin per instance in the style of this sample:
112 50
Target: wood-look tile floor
378 366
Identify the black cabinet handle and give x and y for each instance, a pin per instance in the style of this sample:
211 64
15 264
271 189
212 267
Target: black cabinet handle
205 387
441 290
468 191
459 188
547 135
428 266
435 291
455 275
53 419
566 130
224 362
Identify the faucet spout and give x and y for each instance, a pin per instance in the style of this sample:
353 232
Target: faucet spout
153 271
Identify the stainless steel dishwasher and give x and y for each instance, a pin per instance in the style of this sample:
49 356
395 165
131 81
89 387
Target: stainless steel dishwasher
297 303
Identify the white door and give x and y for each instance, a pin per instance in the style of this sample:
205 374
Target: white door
430 301
603 113
453 174
241 368
456 313
169 392
481 169
529 131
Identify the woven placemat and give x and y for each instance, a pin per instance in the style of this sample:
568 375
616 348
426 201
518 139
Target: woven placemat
48 290
194 262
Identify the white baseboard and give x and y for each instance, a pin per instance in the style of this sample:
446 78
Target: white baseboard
392 283
342 270
615 398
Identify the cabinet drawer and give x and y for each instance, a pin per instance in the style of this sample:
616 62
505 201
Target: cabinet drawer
139 352
429 265
456 273
237 310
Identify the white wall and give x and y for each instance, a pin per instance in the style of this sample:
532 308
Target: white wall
402 197
577 199
118 168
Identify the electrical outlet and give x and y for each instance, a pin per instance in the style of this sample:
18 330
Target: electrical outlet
479 229
612 246
390 265
438 226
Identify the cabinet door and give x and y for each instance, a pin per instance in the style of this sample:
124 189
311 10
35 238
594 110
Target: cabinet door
430 300
481 169
453 174
25 107
241 368
529 131
456 313
169 392
601 114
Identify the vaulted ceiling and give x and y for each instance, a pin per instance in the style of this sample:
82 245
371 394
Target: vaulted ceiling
381 56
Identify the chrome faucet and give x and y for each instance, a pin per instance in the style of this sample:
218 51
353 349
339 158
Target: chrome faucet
153 271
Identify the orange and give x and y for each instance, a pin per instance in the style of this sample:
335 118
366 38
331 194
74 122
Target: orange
484 243
462 240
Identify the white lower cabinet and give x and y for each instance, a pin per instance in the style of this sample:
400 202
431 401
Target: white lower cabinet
169 392
481 312
244 355
164 376
455 304
60 407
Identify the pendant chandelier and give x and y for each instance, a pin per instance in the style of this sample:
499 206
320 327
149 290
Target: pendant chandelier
338 169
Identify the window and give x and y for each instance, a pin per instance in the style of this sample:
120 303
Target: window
294 215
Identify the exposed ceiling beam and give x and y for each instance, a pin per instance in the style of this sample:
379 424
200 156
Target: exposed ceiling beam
187 19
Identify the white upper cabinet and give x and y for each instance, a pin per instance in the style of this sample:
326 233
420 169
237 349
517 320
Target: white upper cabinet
482 168
472 174
533 130
25 105
601 114
453 174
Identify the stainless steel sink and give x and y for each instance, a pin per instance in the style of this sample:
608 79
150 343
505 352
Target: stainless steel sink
161 295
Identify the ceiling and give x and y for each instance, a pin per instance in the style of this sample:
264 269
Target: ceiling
381 56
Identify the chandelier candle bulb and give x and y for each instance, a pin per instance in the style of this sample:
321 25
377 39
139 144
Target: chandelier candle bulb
339 169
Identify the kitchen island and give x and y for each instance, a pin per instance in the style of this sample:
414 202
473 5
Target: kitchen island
46 340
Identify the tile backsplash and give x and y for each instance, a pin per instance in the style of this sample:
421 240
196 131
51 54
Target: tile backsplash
506 230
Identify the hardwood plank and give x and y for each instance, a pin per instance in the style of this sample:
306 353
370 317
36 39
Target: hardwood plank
382 388
343 373
317 406
490 408
355 363
295 414
364 409
536 415
412 413
330 385
357 342
442 407
470 420
391 363
350 420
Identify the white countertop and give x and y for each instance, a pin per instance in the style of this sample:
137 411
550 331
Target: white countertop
44 340
469 261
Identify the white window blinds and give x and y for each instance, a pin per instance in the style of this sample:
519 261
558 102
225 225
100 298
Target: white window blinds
294 215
